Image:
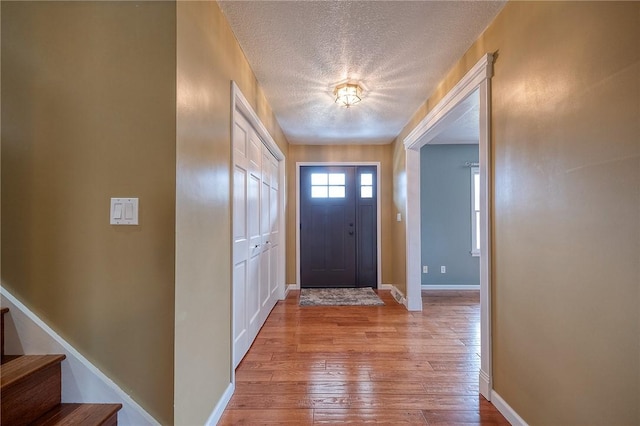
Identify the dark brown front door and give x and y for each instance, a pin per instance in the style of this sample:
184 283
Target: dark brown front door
338 226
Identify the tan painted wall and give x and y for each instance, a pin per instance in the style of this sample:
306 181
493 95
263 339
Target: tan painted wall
341 153
208 59
566 208
88 107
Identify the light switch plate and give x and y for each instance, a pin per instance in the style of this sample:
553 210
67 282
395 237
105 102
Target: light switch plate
124 211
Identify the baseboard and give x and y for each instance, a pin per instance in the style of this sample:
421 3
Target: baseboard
506 410
293 287
216 415
427 287
386 286
484 384
82 382
285 292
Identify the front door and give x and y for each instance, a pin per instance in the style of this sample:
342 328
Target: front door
338 226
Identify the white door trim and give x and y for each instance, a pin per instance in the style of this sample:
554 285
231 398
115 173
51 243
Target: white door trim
378 226
240 105
439 118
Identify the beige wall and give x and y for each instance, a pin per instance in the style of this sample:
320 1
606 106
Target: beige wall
342 153
566 208
208 59
88 107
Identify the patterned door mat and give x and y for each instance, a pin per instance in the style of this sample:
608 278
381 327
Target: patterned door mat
364 296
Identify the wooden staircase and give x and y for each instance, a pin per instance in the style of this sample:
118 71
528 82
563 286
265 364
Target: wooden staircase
30 393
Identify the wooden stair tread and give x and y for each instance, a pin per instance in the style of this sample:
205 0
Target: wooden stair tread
78 414
6 358
19 368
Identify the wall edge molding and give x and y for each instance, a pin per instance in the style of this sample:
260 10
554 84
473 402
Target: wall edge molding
477 79
506 410
217 412
82 381
483 69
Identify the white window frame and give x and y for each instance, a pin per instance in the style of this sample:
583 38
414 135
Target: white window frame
475 246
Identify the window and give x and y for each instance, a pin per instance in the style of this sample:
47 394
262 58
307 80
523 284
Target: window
475 211
366 185
328 185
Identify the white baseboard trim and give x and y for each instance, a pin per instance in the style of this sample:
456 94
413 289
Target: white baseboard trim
428 287
216 415
293 287
506 410
82 382
386 286
484 385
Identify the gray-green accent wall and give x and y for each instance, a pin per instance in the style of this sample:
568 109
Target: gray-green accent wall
445 208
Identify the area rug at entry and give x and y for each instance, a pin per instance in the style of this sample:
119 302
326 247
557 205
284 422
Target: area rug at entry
339 297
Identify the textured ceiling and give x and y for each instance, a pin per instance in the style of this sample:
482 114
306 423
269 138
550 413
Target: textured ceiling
399 50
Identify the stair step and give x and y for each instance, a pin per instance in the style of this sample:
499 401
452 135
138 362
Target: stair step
25 365
80 414
30 386
6 358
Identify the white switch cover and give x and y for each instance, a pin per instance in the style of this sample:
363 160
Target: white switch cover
425 269
124 211
443 269
399 217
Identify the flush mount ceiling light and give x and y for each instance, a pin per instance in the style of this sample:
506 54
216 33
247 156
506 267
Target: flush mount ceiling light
348 94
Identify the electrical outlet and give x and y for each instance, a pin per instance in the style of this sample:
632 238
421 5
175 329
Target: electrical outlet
443 269
425 269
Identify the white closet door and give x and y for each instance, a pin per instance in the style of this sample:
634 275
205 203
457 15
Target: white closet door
256 248
265 227
255 235
274 219
240 238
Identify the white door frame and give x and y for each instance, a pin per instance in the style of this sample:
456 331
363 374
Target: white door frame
378 227
438 119
240 105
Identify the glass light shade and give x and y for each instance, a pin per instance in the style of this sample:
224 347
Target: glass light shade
348 94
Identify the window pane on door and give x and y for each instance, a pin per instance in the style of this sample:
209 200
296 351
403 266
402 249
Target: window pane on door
331 185
319 179
336 179
336 192
366 185
319 192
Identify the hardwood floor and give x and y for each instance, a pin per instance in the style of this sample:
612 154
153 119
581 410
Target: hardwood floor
384 365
